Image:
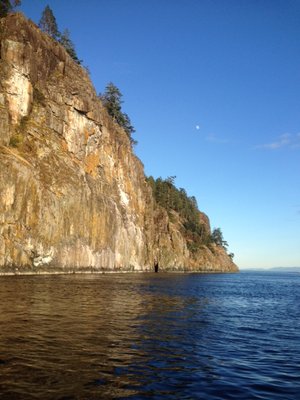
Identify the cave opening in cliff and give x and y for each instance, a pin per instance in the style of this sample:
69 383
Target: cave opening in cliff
156 267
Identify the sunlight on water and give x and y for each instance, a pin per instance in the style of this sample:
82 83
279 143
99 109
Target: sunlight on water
150 336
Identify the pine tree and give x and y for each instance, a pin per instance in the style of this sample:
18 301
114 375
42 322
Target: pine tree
66 41
112 100
217 238
48 23
6 6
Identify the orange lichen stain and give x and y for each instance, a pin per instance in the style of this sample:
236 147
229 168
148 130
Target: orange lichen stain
86 136
87 133
91 163
64 145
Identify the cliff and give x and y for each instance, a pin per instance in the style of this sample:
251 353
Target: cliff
73 196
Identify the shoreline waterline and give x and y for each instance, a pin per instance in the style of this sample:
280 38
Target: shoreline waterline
114 272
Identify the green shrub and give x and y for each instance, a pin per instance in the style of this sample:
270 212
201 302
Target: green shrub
38 96
16 140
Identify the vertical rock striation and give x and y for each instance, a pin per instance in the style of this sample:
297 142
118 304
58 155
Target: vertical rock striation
73 196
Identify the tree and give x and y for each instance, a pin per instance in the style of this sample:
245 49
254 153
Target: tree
171 180
66 41
172 199
112 101
217 238
48 23
7 6
128 128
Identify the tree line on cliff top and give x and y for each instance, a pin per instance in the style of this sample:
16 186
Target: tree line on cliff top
196 232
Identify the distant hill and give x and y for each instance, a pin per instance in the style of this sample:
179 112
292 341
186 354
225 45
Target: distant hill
274 269
286 269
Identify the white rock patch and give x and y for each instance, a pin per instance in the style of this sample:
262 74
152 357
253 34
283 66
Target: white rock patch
124 197
19 95
44 259
8 197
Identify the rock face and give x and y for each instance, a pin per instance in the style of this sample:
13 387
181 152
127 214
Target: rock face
73 196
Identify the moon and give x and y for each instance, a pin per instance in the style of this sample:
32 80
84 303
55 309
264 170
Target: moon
197 127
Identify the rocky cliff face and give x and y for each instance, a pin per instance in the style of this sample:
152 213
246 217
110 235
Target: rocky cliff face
73 196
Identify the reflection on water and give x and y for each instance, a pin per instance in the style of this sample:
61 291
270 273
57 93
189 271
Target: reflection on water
150 336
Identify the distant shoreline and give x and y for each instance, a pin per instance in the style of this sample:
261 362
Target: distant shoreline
272 269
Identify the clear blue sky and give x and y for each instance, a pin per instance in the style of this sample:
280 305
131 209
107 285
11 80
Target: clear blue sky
213 90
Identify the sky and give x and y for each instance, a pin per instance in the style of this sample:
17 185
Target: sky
212 88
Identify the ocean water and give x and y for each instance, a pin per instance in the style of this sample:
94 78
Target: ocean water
150 336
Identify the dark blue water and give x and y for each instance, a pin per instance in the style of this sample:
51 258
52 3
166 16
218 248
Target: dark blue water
150 336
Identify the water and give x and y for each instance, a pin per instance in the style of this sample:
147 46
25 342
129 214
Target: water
150 336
